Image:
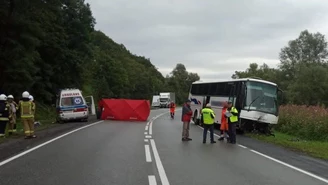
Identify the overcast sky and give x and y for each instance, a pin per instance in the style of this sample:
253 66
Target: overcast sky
214 37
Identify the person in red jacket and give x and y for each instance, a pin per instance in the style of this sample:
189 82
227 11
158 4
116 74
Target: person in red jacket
224 123
186 118
172 109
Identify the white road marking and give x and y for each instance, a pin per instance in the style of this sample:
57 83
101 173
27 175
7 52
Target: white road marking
45 143
159 164
147 151
292 167
146 133
146 128
148 123
146 140
152 180
282 163
242 146
148 136
150 128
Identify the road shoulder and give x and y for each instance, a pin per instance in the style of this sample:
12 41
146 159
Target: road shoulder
17 145
297 159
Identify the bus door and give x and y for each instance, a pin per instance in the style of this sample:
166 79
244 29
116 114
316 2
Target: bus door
240 94
233 98
206 101
232 92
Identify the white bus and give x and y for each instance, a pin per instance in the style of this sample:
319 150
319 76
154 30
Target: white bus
256 101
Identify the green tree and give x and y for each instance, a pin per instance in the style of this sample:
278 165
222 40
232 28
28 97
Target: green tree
179 81
308 48
254 71
49 45
302 72
305 55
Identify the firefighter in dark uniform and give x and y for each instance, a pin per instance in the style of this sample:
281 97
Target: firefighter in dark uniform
4 114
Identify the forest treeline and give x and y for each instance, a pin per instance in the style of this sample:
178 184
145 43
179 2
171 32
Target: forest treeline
49 45
302 73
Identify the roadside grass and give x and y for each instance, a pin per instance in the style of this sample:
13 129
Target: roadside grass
318 149
46 115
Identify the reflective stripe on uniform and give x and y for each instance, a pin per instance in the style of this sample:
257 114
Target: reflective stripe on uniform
4 119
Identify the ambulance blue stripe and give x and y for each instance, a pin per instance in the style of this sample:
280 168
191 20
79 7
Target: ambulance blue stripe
72 107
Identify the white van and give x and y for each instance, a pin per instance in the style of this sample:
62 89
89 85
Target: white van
71 105
155 102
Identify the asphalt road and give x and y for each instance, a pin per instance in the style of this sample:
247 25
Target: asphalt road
131 153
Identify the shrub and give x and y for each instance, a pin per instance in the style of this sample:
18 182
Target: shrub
305 122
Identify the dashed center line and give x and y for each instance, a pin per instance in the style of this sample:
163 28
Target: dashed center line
159 164
150 128
160 168
147 151
152 180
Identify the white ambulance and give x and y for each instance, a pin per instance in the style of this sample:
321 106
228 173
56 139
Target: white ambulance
71 106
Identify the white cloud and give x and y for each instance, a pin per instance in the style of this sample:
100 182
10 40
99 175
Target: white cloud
213 38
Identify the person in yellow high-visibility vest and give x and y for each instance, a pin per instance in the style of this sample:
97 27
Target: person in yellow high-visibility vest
232 113
208 122
27 110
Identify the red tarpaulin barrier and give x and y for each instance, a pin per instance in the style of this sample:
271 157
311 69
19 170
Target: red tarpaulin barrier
125 109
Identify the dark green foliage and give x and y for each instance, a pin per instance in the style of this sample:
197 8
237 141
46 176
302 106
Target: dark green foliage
302 73
179 81
49 45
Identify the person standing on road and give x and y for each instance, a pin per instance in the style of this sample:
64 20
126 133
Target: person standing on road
232 113
172 109
12 119
186 118
208 122
27 110
4 114
224 123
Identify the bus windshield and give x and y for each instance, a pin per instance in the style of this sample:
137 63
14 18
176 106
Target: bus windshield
261 97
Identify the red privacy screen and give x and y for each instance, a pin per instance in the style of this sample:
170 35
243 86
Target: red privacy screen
125 109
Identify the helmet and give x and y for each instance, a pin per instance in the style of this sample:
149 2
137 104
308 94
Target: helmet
10 96
3 97
25 94
31 98
208 105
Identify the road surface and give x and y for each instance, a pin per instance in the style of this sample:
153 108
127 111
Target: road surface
130 153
